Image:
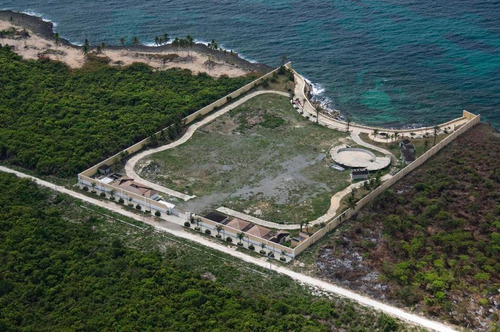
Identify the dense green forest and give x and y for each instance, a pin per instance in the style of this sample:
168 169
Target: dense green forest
59 121
432 240
60 270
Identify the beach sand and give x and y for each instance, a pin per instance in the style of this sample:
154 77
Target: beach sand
41 44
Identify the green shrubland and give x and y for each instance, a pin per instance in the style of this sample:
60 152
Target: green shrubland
62 269
59 121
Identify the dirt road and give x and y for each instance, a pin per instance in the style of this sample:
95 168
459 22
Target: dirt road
175 230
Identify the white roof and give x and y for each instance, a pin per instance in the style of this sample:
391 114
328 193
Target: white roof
106 180
169 205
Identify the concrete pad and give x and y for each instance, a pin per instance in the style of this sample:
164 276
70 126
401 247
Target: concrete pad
357 157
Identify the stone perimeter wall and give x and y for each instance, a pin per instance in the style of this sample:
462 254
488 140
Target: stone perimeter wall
188 119
335 222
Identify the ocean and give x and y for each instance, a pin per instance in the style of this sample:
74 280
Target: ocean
393 62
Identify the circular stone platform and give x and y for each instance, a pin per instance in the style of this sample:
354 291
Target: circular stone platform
358 157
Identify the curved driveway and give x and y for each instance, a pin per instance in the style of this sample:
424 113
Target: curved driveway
129 166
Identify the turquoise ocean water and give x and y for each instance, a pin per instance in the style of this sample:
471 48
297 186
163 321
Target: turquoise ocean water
392 62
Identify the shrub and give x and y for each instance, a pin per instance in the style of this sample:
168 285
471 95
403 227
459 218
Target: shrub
131 205
102 194
148 211
187 224
251 247
158 213
207 231
138 206
121 201
197 228
240 244
218 236
271 255
111 198
282 259
229 239
85 188
263 252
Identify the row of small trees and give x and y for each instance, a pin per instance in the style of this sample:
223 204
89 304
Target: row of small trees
220 229
187 42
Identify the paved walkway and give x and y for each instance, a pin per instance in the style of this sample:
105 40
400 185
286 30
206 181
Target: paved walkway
299 277
328 216
310 110
130 165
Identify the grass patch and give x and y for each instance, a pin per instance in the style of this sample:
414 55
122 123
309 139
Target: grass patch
262 158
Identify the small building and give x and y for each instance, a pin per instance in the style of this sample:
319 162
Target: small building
407 151
239 224
217 217
259 231
104 169
298 239
130 185
281 237
407 145
407 156
359 174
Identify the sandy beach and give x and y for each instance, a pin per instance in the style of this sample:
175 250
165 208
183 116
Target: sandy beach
34 39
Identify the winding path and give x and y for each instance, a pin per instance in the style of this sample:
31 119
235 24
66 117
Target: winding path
310 110
299 277
130 165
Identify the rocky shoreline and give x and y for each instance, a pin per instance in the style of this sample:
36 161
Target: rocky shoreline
45 29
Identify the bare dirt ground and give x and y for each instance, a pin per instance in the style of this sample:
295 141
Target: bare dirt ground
33 39
261 159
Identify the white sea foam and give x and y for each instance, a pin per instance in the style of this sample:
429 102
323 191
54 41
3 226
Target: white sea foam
33 13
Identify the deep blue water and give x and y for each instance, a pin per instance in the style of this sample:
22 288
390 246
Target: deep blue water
388 62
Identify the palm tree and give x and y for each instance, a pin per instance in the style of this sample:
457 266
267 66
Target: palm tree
375 133
307 225
283 253
263 246
284 59
135 41
122 41
436 129
86 47
176 43
93 184
103 46
426 145
301 224
112 192
240 237
157 40
198 222
213 45
189 42
57 39
348 120
351 201
219 228
165 38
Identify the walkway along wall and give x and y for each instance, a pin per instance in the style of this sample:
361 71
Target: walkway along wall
188 119
334 223
380 129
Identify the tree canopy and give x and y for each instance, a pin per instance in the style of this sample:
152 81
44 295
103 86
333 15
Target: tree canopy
59 121
59 272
